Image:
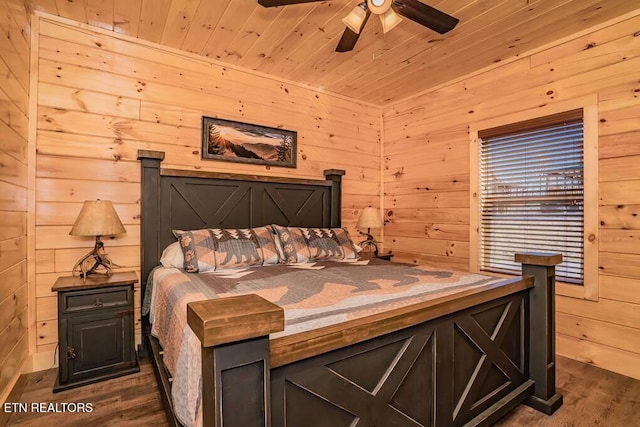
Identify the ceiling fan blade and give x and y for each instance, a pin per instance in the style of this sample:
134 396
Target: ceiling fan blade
347 41
425 15
274 3
349 38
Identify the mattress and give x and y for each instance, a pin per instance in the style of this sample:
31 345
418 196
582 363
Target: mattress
312 295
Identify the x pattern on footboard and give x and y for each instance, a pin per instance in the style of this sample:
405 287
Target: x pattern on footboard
469 360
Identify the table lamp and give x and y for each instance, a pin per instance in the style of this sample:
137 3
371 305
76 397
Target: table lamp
96 218
369 218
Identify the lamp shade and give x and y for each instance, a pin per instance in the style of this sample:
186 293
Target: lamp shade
97 218
355 19
389 20
369 218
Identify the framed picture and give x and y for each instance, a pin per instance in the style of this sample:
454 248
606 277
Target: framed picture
246 143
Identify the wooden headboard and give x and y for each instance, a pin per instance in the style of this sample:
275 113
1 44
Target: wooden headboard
190 200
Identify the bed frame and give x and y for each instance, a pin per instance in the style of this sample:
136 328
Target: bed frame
466 359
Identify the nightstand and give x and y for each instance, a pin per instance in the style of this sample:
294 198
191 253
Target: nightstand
95 328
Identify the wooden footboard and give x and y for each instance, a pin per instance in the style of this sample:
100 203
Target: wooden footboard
463 360
235 352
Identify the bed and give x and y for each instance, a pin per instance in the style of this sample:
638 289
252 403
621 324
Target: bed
463 356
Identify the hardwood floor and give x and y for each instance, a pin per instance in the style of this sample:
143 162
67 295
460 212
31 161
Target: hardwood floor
592 397
132 400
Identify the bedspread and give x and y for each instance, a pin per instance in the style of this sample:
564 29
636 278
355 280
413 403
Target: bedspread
312 296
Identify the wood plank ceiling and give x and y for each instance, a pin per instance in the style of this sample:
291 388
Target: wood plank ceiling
297 42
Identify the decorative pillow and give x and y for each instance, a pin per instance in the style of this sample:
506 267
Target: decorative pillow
236 247
172 256
294 245
271 251
198 248
218 249
315 244
346 244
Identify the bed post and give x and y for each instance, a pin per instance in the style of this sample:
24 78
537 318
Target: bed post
150 224
542 329
335 175
236 380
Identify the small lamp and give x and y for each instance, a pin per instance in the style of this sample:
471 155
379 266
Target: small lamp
96 218
355 19
390 20
369 218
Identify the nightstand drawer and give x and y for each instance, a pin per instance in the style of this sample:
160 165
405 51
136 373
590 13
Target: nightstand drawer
83 300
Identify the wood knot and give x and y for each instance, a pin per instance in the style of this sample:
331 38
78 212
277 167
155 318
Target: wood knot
592 237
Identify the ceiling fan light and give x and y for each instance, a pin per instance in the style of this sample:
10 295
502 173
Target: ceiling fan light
390 19
355 19
379 7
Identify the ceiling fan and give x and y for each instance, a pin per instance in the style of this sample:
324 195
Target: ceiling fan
388 11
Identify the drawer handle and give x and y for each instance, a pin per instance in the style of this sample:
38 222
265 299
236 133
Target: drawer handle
98 303
71 353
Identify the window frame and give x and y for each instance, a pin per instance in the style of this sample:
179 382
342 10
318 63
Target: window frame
590 288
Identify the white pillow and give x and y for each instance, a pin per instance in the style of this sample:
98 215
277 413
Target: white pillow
172 256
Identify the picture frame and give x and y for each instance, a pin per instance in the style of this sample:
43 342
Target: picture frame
233 141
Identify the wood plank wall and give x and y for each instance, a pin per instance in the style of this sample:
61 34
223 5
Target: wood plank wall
426 177
102 97
14 127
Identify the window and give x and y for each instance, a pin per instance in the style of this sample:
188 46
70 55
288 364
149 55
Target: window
531 193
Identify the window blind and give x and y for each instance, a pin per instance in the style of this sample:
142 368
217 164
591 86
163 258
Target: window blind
532 194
